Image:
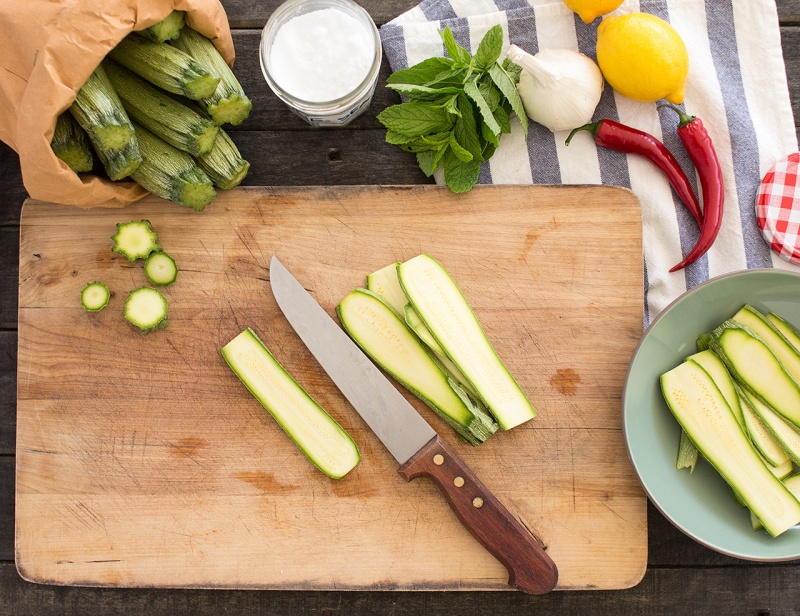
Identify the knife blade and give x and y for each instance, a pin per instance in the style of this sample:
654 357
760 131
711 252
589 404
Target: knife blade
415 445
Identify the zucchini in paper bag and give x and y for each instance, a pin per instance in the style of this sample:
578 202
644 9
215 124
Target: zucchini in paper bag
99 111
71 144
172 174
228 103
172 121
165 66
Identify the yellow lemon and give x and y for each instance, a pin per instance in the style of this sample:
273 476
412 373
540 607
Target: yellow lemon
642 57
589 10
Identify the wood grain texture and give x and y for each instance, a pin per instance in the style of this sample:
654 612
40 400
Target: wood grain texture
529 567
143 460
8 391
733 591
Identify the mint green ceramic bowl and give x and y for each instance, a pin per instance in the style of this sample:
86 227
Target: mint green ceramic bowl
699 504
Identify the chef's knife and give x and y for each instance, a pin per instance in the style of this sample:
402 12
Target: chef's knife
410 439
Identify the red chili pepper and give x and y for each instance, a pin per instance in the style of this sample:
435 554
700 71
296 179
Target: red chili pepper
700 149
621 138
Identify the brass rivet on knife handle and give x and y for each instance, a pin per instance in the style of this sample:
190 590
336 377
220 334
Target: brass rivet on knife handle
529 567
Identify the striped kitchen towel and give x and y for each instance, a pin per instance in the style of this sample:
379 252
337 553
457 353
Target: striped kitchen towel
736 85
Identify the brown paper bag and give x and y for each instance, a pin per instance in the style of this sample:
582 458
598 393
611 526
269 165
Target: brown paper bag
47 51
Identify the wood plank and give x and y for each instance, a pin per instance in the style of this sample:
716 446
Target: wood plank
329 158
740 591
12 192
143 460
9 276
788 13
245 14
6 509
8 391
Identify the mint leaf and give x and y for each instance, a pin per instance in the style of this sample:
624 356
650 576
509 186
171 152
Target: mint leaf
421 73
422 93
451 106
501 115
506 85
460 176
427 142
489 48
461 153
512 69
427 162
455 77
415 118
489 135
460 55
471 90
466 129
490 92
396 138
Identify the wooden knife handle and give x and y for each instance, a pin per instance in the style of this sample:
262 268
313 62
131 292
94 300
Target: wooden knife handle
529 568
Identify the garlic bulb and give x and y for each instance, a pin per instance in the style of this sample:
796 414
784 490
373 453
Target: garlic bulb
559 88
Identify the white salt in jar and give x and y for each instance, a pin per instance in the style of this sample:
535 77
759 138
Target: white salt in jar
321 58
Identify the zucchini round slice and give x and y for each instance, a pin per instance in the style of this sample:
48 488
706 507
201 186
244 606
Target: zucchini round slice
160 269
146 308
95 296
135 240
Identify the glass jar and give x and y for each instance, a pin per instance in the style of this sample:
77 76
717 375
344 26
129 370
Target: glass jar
339 111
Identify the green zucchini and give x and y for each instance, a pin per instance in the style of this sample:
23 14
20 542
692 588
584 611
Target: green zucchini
789 333
793 485
165 66
701 409
318 436
71 144
446 313
146 308
786 436
384 284
167 29
382 335
228 104
160 269
752 364
414 321
135 240
95 296
777 343
762 440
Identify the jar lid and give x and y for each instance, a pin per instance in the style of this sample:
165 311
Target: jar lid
778 208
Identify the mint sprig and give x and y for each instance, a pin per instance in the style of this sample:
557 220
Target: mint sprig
455 108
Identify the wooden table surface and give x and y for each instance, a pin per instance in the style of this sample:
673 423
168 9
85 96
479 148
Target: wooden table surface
682 576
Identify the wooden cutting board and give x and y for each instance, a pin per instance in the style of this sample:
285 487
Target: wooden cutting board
143 460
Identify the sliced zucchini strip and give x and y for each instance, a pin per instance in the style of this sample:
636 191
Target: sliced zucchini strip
383 336
95 296
446 313
757 369
315 432
701 409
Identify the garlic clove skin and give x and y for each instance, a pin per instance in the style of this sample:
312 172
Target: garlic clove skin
559 88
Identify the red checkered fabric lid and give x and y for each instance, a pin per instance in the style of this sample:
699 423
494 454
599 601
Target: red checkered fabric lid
778 208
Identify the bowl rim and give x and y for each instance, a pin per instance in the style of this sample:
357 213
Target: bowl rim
678 300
